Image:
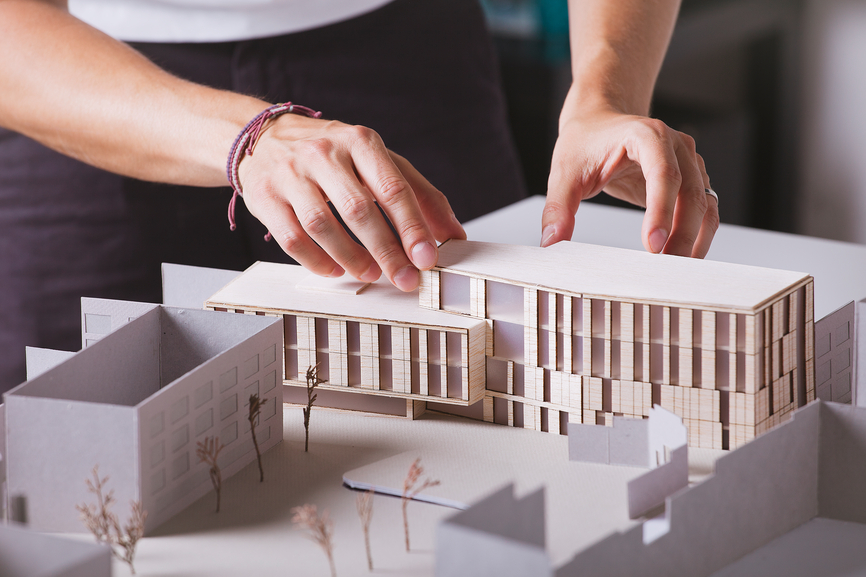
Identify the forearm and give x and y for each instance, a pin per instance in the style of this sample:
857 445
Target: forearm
607 143
617 48
93 98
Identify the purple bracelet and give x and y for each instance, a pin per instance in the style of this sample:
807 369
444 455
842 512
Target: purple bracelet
246 141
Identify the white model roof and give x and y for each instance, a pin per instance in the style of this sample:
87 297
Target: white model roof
620 274
274 287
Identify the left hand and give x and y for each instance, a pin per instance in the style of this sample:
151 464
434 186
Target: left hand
639 160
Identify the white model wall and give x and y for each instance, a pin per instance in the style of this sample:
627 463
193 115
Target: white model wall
212 400
833 149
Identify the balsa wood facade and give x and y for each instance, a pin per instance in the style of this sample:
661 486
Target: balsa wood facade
376 349
581 333
537 338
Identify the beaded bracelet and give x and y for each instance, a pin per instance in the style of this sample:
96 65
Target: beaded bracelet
246 141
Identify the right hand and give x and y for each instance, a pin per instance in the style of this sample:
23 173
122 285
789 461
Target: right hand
300 163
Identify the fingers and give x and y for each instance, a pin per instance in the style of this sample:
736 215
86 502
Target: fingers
710 223
319 224
563 200
691 201
434 206
415 249
291 181
289 233
678 218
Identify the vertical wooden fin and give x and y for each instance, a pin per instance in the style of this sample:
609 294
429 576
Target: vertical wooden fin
423 366
587 336
567 335
477 297
443 367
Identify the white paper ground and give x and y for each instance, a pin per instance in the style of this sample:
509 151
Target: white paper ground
253 533
824 547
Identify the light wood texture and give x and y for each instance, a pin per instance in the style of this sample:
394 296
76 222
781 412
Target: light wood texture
567 335
637 275
708 350
423 361
552 352
488 409
443 365
337 353
626 357
626 348
587 336
344 285
270 287
608 329
477 298
686 342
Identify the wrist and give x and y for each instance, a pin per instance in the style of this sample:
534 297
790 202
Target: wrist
583 106
245 143
605 81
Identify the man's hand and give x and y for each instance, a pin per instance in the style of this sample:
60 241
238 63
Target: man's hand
299 164
641 161
607 143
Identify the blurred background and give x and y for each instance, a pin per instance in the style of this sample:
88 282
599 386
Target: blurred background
773 91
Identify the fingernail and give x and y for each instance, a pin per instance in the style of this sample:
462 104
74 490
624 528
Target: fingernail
372 274
547 234
406 278
424 255
336 272
657 240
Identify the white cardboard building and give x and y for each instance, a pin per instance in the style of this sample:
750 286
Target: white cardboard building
135 402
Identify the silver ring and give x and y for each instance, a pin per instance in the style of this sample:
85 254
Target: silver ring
712 193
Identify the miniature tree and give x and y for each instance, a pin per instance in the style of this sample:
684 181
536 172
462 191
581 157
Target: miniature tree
411 489
105 526
313 381
319 529
256 405
207 452
364 503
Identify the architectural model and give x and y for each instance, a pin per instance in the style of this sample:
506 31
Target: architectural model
367 341
138 398
807 471
840 354
658 443
512 335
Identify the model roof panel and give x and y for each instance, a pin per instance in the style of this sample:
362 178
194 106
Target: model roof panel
273 286
621 274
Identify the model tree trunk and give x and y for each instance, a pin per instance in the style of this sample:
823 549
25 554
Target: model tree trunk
411 490
313 381
364 503
207 452
256 405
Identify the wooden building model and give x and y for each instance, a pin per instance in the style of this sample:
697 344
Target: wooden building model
583 332
537 338
376 349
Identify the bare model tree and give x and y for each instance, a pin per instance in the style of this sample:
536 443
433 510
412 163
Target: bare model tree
319 529
411 489
364 502
313 381
105 526
256 405
207 452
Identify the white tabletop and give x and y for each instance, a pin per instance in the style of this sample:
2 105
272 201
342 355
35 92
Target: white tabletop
839 268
